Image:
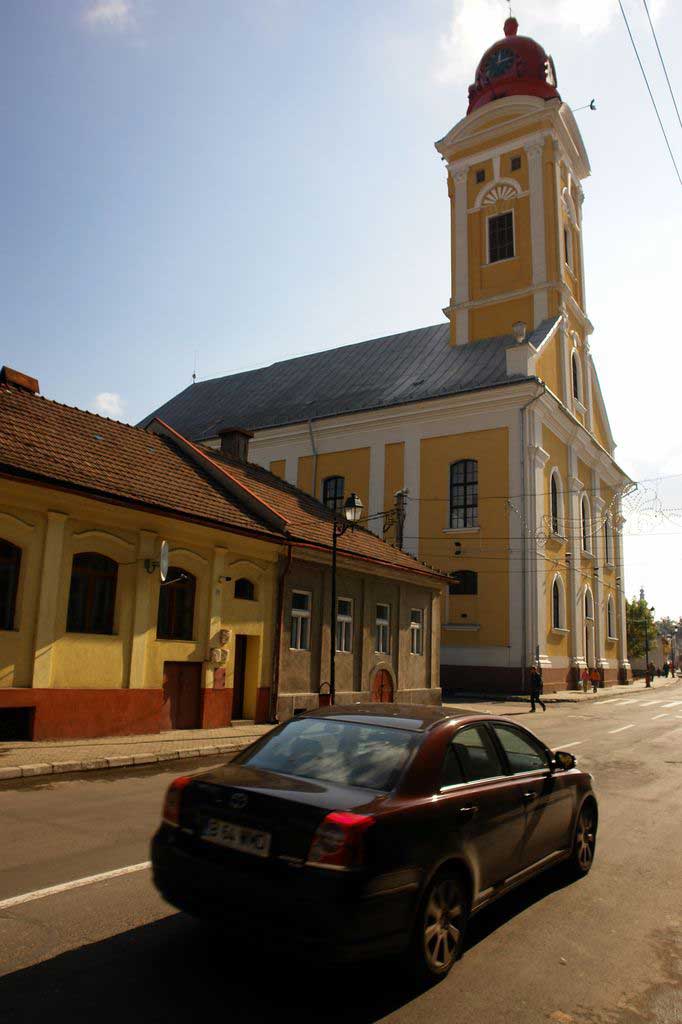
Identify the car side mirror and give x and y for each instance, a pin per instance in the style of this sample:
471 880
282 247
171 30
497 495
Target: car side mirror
563 760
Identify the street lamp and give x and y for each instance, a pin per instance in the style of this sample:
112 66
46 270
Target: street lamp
352 513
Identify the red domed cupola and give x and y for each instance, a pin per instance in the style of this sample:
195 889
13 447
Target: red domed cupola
513 66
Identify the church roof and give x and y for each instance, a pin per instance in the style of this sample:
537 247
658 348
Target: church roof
401 368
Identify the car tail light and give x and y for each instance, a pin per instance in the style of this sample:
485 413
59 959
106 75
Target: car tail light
171 805
339 841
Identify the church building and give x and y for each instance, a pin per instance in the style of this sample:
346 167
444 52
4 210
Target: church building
492 422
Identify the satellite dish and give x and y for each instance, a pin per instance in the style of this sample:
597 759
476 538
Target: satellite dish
163 561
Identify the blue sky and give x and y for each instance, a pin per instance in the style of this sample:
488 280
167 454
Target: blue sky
245 181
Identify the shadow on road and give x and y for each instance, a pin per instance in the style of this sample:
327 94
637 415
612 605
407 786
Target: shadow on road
176 969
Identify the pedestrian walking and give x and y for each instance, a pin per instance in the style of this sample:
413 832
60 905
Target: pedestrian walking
595 679
666 669
536 689
585 678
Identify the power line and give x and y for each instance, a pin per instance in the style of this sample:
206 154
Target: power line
665 70
651 95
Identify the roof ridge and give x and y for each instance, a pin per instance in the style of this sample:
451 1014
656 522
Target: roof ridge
73 408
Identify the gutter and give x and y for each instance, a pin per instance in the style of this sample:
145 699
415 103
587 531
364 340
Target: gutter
526 537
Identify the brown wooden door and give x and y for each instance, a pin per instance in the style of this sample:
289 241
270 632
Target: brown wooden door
182 694
382 687
239 676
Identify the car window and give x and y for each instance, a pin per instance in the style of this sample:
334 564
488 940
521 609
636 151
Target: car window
476 753
523 752
350 754
452 769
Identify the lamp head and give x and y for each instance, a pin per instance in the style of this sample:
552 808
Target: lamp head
353 508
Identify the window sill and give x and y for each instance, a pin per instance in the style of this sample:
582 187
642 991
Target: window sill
558 538
173 640
462 529
496 263
612 639
456 627
587 554
300 650
609 565
560 631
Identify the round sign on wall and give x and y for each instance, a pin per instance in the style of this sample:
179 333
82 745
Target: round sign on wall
163 561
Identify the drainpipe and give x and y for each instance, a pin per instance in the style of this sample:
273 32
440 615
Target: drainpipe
314 448
526 560
279 626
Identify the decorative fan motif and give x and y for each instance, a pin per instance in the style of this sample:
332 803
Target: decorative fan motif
497 193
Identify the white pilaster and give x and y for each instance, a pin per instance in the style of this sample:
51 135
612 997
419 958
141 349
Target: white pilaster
50 581
412 474
291 469
575 489
587 369
566 347
142 615
461 253
599 506
619 522
537 229
537 460
376 487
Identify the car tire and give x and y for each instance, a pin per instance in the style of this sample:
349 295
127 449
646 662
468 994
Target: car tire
440 927
584 842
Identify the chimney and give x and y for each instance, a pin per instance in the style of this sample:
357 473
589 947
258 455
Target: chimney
234 442
19 380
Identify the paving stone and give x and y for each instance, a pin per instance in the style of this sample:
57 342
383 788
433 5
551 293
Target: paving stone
66 766
91 764
168 755
10 773
119 761
36 769
145 758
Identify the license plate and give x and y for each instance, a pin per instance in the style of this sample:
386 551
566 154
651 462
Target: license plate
236 837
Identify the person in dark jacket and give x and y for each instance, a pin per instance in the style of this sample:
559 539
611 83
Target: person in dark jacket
536 689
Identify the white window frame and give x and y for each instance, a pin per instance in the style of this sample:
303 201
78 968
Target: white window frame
417 631
556 476
299 616
500 213
575 356
608 542
344 628
586 525
559 627
568 247
610 618
382 632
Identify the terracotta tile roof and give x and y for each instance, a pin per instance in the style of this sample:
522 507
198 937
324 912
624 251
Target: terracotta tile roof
68 446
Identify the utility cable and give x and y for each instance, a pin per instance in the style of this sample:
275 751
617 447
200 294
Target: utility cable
651 95
665 70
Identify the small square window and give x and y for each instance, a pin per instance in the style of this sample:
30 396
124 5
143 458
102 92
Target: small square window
480 176
516 163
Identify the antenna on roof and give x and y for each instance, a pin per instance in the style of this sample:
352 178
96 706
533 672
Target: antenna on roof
194 371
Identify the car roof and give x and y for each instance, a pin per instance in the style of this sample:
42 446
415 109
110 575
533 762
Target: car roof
414 717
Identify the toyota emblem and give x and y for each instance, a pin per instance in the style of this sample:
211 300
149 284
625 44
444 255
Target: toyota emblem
238 801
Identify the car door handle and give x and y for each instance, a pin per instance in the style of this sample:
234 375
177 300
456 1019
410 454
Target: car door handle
529 797
467 812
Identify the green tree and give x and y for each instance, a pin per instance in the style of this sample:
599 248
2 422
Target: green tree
637 613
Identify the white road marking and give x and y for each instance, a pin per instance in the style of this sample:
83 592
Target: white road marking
675 704
622 728
650 703
40 894
612 701
624 702
666 715
573 743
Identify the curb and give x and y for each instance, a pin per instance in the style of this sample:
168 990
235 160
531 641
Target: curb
122 761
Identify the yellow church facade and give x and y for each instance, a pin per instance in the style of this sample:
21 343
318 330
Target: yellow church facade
492 422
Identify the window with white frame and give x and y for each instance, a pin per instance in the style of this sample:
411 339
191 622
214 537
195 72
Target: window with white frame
500 237
383 629
608 542
556 503
300 620
344 625
417 631
611 618
585 523
558 604
577 383
464 494
568 248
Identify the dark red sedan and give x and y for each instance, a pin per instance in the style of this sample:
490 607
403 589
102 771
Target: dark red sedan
365 830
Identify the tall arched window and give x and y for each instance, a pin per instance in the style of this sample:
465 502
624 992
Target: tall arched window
245 589
575 369
589 604
556 503
10 563
332 493
92 595
463 494
608 542
610 618
585 521
175 619
558 604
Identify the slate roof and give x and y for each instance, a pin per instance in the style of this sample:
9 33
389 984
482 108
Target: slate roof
58 444
394 370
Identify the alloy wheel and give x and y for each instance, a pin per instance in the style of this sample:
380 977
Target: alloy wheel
443 923
585 839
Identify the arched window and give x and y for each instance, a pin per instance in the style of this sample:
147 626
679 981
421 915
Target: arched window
556 503
585 521
245 589
176 605
610 618
589 604
608 542
558 604
10 562
463 494
92 595
575 368
332 493
463 582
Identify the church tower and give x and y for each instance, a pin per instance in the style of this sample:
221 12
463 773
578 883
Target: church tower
515 163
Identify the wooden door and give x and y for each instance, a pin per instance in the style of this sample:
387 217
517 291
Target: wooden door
382 687
182 694
239 676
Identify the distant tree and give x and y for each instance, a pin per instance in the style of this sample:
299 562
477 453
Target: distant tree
666 625
637 612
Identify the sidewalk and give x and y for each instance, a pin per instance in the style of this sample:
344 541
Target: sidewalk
48 757
564 696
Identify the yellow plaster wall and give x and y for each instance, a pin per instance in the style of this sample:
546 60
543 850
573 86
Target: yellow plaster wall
278 468
352 465
555 550
497 318
548 366
557 642
598 424
394 478
484 550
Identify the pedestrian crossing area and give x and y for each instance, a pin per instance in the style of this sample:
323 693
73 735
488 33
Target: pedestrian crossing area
643 704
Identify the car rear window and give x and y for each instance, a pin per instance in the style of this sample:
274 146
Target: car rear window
345 753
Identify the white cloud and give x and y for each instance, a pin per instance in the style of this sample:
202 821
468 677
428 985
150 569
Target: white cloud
111 15
108 403
476 24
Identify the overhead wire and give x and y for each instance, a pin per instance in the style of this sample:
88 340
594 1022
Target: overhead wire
660 55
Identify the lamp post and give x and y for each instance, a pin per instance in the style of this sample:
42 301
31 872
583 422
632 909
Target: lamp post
352 513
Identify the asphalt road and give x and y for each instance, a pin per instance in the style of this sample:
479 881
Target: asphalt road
605 950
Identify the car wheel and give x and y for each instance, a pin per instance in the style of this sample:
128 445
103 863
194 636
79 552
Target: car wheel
440 927
584 842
